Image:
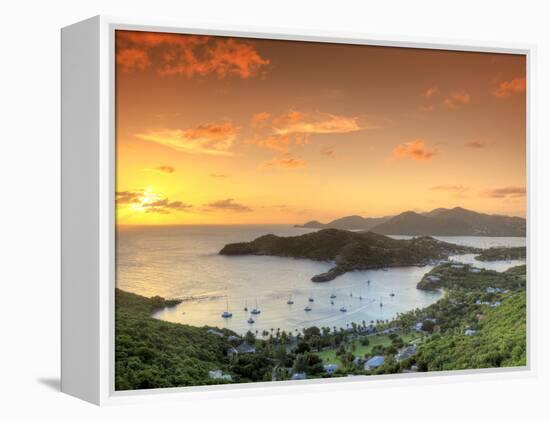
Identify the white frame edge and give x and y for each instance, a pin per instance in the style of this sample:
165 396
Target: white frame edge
88 336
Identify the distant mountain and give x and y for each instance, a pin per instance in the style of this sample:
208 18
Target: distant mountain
349 250
353 222
456 221
440 221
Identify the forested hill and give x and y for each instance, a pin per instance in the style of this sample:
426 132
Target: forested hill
349 250
152 353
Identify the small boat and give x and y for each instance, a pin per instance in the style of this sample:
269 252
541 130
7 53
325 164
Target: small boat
227 314
343 309
332 302
307 308
381 303
290 301
311 299
250 320
245 306
333 295
368 281
255 310
392 294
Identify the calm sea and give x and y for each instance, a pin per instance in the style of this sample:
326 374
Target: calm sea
183 262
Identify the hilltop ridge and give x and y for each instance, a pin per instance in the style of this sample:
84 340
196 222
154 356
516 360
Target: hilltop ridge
439 221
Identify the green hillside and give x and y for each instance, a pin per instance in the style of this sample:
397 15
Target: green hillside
151 353
499 341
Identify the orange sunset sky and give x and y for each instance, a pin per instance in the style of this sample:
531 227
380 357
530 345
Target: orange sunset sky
217 130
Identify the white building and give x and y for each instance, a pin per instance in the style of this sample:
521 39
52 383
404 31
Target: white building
218 375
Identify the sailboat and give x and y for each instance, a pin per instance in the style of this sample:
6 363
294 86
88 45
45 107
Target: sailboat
381 303
227 314
256 310
307 308
250 320
343 309
311 298
392 294
333 295
290 300
360 295
245 306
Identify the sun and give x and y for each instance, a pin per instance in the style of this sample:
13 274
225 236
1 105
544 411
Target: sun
147 197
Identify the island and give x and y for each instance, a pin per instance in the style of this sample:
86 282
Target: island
349 250
440 221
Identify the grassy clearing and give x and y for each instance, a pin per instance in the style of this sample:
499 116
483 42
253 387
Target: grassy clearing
329 356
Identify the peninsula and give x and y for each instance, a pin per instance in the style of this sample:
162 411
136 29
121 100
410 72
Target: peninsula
349 250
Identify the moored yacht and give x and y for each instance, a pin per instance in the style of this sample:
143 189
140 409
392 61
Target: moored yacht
255 310
227 314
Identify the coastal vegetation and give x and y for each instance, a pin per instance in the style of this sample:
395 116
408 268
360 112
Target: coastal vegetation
461 276
349 250
151 353
479 323
502 253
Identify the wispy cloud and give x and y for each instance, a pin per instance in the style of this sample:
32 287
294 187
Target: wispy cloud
475 144
505 192
435 97
209 138
328 151
127 197
227 205
450 187
286 161
187 55
456 99
165 206
163 169
457 190
280 132
432 91
415 149
279 143
217 175
509 88
298 122
146 200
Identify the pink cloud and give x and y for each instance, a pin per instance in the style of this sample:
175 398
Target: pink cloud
512 87
187 55
415 150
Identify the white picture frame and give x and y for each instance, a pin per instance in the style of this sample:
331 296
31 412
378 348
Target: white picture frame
88 206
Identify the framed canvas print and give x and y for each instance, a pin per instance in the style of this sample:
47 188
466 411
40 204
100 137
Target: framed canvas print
245 210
